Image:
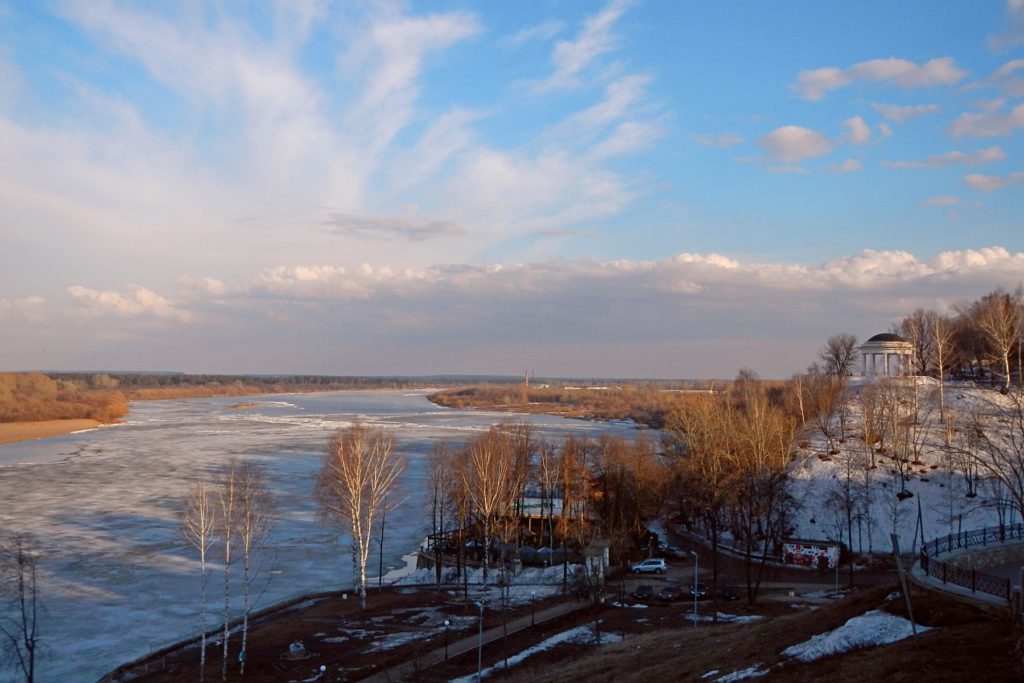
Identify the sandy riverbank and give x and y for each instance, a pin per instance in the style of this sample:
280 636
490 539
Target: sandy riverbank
11 432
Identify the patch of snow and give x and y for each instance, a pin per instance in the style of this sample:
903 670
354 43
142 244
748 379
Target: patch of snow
738 619
724 618
393 640
868 630
581 635
710 673
755 671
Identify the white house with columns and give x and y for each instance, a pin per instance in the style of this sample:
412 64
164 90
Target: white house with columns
886 355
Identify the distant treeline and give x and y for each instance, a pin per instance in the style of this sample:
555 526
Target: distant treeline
34 396
646 403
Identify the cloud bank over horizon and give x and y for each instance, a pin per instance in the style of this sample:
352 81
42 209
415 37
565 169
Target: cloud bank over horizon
691 315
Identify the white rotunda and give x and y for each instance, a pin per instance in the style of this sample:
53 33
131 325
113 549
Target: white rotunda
886 355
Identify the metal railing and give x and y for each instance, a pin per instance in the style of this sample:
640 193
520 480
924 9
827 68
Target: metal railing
972 579
991 535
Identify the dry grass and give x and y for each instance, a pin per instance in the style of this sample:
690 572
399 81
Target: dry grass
965 643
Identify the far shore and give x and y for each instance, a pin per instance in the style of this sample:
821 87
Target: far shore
12 432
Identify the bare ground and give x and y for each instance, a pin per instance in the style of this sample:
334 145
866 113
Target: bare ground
659 643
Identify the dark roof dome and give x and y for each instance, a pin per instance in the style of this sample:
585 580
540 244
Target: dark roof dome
887 337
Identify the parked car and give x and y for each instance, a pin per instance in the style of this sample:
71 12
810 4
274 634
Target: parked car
676 552
700 591
655 565
731 593
643 592
670 594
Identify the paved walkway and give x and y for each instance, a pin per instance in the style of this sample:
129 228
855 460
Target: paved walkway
408 670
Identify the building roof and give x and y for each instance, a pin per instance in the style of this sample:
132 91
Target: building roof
887 337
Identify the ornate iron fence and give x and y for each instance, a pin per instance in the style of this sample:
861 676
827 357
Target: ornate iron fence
972 579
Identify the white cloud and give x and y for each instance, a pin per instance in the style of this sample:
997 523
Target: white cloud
629 137
141 302
942 200
621 96
848 166
900 113
1010 78
389 58
988 124
885 130
543 31
793 143
1013 34
814 84
990 183
28 307
572 57
206 285
857 131
980 156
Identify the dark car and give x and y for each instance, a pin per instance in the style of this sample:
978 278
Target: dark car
700 591
731 593
675 551
670 594
643 592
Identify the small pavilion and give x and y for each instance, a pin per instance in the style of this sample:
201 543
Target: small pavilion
886 355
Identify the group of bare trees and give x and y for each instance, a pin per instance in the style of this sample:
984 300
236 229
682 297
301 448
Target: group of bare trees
732 454
225 518
506 488
981 335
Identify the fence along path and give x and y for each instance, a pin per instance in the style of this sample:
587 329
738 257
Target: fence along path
976 581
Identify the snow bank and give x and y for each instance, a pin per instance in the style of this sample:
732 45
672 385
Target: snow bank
870 629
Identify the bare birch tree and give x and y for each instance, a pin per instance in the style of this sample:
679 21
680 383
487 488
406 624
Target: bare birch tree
943 334
18 584
998 317
359 469
199 525
254 510
227 499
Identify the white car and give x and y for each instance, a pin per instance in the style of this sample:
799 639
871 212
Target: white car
652 566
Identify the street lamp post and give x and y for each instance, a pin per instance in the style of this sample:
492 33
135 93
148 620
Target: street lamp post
480 646
533 608
446 623
694 553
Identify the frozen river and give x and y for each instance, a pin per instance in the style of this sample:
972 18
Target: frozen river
118 580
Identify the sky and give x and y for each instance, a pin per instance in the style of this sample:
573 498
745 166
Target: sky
601 189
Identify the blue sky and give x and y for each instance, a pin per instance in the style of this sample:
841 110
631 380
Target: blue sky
674 189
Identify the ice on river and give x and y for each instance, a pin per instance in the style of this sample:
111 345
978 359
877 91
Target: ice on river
118 580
